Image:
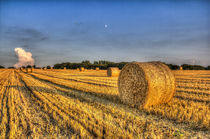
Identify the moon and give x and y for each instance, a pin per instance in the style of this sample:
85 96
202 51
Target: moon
105 25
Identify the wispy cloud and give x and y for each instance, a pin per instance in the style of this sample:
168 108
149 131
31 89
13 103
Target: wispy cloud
25 37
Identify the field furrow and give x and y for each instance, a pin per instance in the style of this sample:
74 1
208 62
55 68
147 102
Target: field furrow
69 103
163 111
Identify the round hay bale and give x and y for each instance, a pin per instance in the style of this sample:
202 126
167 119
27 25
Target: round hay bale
82 69
146 84
181 68
32 69
78 69
113 72
97 69
64 68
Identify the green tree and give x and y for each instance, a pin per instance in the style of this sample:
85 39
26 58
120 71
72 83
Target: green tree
48 67
29 66
2 67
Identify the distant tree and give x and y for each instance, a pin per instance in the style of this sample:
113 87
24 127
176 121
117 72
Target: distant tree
48 67
95 63
2 67
86 62
10 67
29 66
173 67
208 67
192 67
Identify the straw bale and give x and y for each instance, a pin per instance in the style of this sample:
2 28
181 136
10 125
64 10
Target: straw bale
146 84
113 72
82 69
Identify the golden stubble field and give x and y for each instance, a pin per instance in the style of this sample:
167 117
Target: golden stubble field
69 103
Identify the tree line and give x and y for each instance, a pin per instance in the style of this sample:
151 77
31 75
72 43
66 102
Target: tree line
102 64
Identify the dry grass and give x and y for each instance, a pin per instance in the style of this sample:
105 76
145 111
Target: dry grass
69 103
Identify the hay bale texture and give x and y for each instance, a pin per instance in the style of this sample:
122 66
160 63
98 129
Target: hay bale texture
82 69
146 84
29 70
113 72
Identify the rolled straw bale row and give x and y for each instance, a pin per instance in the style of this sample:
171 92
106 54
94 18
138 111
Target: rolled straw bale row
146 84
29 70
113 72
82 69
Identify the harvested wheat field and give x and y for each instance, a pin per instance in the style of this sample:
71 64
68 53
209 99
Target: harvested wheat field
70 103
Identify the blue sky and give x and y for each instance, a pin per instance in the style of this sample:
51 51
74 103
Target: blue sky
173 31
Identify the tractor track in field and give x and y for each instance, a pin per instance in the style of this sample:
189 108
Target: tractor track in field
193 92
58 107
82 99
8 108
8 117
193 80
33 98
5 98
75 80
192 99
62 110
107 96
195 88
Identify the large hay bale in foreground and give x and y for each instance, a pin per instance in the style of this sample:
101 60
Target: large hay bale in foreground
146 84
82 69
113 72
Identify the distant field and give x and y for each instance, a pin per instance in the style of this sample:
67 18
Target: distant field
69 103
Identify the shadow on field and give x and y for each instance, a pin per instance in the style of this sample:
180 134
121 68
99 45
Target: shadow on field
79 81
193 99
84 97
111 97
90 75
